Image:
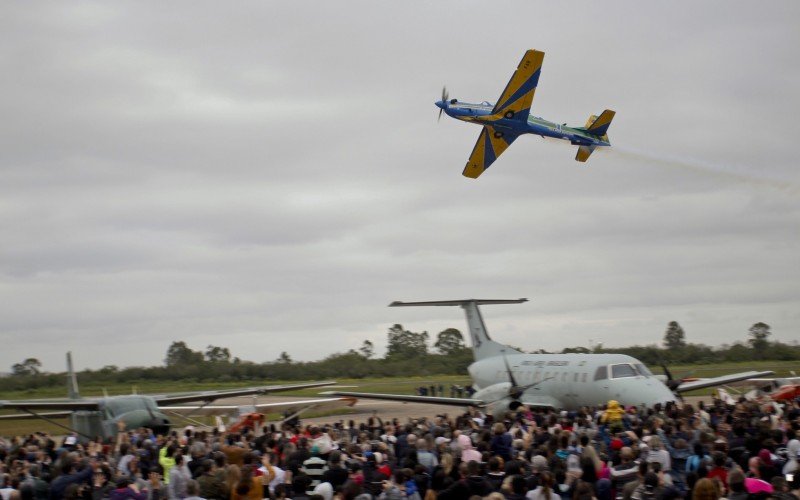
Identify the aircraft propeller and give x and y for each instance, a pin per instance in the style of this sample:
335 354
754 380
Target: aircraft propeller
516 391
672 383
445 96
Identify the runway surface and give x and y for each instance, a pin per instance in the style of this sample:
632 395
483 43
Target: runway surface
386 410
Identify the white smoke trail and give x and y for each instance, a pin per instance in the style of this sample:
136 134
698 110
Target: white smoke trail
728 172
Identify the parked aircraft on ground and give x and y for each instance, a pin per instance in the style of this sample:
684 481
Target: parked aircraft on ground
510 117
101 417
505 378
780 389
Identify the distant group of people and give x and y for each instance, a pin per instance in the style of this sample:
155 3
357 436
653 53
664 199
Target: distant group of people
741 451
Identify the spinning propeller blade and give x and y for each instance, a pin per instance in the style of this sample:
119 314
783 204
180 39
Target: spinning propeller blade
445 96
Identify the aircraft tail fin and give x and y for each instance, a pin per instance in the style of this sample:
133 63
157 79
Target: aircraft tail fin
72 380
482 345
599 125
583 153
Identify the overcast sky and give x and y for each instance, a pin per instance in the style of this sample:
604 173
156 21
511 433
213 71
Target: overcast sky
268 176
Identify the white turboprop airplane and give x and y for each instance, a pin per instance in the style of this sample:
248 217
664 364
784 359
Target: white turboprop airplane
506 378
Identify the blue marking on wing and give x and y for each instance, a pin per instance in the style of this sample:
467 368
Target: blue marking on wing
531 83
488 156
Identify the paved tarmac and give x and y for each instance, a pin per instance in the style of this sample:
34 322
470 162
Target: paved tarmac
386 410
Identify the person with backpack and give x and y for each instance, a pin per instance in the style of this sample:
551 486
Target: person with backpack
697 458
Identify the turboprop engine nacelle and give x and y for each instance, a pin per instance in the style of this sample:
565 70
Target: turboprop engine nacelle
499 399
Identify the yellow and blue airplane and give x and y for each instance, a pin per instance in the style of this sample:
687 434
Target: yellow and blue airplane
510 117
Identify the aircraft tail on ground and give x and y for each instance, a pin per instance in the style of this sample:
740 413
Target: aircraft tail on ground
599 125
72 380
482 345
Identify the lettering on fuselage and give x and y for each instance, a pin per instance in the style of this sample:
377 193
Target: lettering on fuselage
545 363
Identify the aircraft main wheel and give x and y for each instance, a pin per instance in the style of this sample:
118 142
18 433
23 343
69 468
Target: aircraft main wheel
509 114
498 135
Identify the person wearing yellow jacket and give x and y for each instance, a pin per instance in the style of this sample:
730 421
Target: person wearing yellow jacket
166 461
612 417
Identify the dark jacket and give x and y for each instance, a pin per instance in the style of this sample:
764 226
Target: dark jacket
125 493
60 483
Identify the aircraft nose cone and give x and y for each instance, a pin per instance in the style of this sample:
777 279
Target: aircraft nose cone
440 104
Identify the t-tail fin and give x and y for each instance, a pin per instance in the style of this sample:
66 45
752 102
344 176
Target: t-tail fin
599 126
72 380
482 345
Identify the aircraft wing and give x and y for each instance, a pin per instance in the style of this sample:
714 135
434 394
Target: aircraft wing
491 144
30 416
209 396
281 407
518 94
69 405
773 380
433 400
723 380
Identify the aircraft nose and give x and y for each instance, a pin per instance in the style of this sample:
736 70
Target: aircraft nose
440 104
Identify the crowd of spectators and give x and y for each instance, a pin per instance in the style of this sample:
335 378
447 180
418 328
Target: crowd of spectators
748 450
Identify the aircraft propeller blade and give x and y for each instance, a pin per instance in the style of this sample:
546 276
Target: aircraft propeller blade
514 384
671 383
445 96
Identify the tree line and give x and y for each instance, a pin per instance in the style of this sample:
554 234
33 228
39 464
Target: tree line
407 353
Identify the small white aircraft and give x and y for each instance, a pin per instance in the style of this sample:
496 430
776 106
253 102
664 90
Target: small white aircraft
507 379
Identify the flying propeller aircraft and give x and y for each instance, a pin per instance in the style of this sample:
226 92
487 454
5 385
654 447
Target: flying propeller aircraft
100 417
507 379
510 117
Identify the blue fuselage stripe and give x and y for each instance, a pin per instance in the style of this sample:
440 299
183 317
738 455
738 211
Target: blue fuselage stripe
473 113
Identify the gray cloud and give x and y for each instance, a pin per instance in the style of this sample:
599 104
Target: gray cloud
269 177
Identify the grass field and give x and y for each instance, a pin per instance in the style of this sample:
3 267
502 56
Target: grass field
399 385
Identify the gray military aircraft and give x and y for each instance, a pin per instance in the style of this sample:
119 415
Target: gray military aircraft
507 379
101 417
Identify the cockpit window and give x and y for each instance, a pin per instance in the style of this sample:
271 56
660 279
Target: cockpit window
601 373
643 370
622 370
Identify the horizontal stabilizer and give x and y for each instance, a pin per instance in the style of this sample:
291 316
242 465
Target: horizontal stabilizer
583 153
599 126
479 302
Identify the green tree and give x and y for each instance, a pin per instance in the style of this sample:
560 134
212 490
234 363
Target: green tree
759 333
404 344
216 354
30 366
674 337
284 358
179 354
367 349
450 342
576 350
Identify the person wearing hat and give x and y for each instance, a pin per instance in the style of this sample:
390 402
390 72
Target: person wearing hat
315 467
612 417
468 452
